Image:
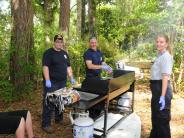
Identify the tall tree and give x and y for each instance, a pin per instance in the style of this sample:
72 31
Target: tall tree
48 19
83 26
79 17
91 16
22 57
64 20
81 10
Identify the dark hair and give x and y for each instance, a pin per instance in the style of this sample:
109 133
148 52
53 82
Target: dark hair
59 37
167 41
92 37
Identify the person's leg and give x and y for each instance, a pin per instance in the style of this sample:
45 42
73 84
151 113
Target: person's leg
164 116
156 88
46 112
163 124
29 127
154 120
20 132
59 115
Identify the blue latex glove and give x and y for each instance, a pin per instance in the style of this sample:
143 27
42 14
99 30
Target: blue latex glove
48 83
106 68
162 102
72 80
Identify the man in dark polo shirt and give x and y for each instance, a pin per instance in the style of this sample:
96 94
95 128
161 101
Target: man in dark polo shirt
94 62
56 67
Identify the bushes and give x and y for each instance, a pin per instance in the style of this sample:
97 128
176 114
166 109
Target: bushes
6 90
76 51
144 51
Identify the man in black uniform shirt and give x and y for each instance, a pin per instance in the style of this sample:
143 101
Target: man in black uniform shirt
56 66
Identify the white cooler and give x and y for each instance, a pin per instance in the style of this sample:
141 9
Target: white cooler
129 127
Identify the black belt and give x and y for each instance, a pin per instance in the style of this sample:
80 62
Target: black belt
157 81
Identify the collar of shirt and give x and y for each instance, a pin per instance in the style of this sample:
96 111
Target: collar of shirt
161 53
92 50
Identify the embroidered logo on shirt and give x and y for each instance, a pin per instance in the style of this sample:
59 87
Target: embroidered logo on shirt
65 56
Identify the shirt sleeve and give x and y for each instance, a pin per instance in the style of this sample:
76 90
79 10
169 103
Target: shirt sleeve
166 65
87 56
46 60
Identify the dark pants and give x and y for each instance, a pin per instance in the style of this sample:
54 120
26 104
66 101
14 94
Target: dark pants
160 119
96 110
49 109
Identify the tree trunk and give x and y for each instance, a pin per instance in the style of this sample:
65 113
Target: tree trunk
181 69
21 50
174 83
83 25
91 14
48 20
79 18
64 20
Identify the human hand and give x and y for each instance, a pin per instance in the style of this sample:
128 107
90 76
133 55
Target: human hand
48 83
162 102
72 80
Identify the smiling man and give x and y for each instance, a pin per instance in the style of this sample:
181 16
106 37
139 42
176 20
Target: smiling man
56 67
94 62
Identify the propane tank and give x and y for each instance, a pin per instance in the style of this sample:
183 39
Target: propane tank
124 102
83 126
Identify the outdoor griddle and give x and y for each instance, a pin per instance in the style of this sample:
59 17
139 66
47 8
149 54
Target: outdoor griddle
121 82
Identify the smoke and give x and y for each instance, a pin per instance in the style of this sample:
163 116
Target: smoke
166 21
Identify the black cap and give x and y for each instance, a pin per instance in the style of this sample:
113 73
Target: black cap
59 37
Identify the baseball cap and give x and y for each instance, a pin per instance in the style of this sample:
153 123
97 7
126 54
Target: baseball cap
59 37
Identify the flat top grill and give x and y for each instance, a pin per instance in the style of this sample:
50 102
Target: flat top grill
116 86
85 96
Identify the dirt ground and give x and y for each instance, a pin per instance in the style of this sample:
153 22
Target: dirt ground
142 109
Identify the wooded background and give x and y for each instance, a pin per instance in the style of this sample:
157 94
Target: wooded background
125 29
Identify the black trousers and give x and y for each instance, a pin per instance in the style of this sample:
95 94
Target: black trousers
96 110
160 119
49 109
9 121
